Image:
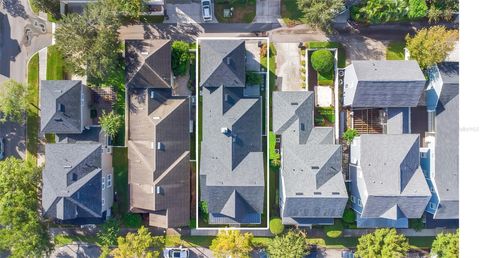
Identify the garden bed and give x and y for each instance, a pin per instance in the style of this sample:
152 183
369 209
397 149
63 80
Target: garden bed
243 11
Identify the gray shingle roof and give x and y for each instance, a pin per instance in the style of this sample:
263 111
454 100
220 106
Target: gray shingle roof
384 84
159 153
311 167
232 161
390 175
222 62
446 143
72 181
61 106
148 63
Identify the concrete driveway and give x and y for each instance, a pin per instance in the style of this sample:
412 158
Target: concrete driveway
14 139
288 67
267 11
23 34
186 13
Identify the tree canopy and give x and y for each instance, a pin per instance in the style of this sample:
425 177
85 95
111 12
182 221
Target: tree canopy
446 245
322 61
384 242
107 236
140 244
180 57
276 226
320 13
293 244
23 233
110 123
349 135
49 6
231 243
13 101
128 8
89 41
431 45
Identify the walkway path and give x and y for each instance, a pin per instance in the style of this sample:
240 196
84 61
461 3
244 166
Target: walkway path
288 67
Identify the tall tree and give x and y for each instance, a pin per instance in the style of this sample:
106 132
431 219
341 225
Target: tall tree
446 245
22 232
384 242
110 123
140 244
13 101
89 42
107 236
291 245
49 6
231 243
129 8
431 45
320 13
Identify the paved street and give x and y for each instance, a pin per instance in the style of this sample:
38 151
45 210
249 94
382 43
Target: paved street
22 34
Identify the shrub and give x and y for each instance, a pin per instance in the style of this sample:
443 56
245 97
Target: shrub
335 230
110 123
416 224
276 226
204 210
276 162
349 134
180 57
348 216
263 50
322 62
254 78
417 9
132 220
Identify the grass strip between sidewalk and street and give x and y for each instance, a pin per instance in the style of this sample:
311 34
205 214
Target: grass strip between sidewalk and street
33 118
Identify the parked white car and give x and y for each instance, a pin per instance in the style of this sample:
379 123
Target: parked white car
176 252
207 10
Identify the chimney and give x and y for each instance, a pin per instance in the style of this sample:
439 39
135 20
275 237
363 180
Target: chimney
225 130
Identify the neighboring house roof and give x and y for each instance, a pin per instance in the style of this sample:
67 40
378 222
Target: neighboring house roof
383 84
390 181
232 159
148 63
311 162
61 107
232 164
159 154
72 181
222 62
446 143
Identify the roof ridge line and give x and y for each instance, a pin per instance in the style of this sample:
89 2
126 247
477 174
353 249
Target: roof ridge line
170 168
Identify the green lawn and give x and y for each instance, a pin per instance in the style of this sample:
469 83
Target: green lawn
290 13
271 143
33 119
63 239
54 64
421 242
244 11
188 241
395 50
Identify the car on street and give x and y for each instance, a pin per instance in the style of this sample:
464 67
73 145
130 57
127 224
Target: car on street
207 10
2 148
176 252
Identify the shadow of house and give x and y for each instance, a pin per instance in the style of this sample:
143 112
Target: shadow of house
9 48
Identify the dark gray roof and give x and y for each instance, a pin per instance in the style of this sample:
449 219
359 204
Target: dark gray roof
384 84
232 162
72 181
222 62
446 143
148 63
159 153
390 175
311 162
61 106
